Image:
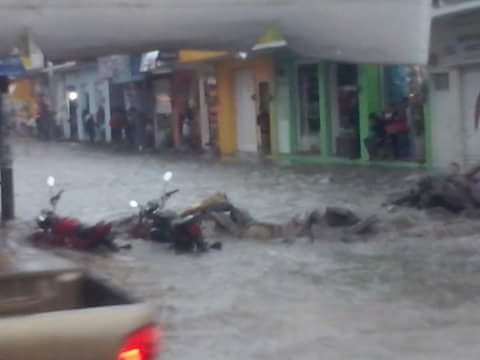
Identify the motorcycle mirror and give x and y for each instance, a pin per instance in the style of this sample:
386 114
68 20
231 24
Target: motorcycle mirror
51 181
167 176
133 204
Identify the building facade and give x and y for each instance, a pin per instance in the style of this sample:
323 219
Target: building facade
287 107
328 111
455 83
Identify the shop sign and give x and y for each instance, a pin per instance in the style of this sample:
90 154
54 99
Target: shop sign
148 61
461 45
158 62
117 68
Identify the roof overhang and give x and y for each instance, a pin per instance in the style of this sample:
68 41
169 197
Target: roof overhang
370 31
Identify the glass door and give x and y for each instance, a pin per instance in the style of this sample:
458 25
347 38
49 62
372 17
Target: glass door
309 109
347 122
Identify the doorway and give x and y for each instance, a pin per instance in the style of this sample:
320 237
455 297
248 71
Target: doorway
263 119
309 108
471 109
73 118
245 111
85 126
72 103
346 127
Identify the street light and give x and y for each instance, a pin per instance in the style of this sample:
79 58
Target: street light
73 95
242 55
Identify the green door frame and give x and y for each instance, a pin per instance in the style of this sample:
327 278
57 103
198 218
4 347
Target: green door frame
324 104
325 111
370 78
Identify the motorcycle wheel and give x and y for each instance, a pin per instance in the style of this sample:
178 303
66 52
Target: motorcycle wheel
189 240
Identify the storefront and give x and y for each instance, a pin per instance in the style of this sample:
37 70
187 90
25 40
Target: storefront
245 106
194 105
341 112
184 92
76 99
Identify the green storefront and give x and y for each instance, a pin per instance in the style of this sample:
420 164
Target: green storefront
323 108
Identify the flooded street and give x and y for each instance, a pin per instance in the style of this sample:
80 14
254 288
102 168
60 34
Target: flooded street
412 292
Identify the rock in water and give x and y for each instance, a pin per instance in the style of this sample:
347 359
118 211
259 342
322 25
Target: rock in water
366 226
241 217
340 217
262 231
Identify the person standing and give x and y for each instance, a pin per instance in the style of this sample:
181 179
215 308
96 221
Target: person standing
117 124
132 126
89 124
42 117
397 130
100 123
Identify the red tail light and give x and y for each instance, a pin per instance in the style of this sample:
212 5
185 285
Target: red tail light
143 344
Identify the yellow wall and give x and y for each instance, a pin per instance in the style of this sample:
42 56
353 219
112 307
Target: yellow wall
227 133
23 99
227 140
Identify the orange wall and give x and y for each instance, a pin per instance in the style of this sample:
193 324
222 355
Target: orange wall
23 90
225 71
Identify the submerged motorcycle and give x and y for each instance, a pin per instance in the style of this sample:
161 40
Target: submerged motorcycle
57 231
183 231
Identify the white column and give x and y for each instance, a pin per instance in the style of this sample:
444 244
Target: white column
108 110
448 132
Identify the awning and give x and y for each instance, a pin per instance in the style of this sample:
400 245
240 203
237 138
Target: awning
271 39
12 67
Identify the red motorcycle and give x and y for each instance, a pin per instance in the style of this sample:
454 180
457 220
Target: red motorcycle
68 232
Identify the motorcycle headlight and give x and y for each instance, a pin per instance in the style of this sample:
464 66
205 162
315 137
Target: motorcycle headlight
43 220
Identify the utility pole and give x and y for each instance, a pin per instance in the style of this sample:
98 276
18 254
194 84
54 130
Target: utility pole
6 162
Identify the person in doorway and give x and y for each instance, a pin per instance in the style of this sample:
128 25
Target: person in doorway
101 123
132 125
89 124
117 124
42 119
263 121
397 131
375 143
187 128
149 133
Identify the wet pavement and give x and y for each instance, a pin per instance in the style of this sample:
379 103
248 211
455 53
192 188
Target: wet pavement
410 293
